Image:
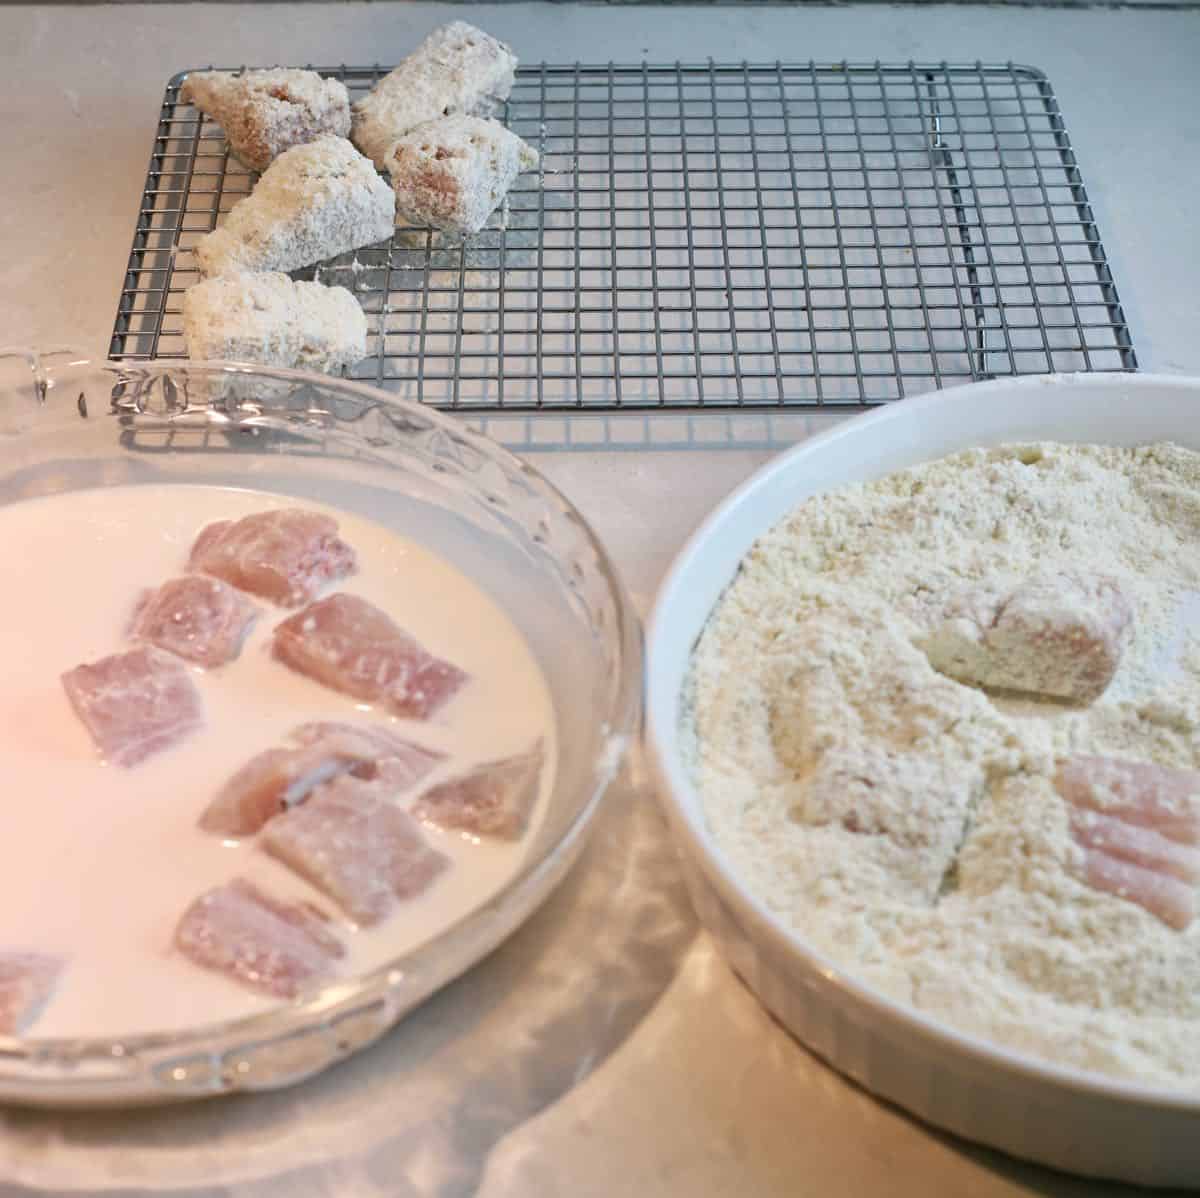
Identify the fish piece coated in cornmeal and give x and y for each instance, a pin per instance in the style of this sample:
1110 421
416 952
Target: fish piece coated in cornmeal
135 704
264 113
313 202
285 556
453 173
1060 635
267 318
259 941
350 645
457 68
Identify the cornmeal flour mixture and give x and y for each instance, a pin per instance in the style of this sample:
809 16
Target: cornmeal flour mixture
1021 865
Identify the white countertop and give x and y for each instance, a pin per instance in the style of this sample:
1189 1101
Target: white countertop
687 1087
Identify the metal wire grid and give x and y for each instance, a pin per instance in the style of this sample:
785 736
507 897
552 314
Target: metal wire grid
707 237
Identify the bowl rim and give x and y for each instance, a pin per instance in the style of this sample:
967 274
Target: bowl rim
684 805
324 1004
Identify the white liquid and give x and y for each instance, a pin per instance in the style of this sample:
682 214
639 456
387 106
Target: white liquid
97 863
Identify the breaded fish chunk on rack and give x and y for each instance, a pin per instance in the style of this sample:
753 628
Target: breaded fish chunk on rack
264 113
312 203
269 319
452 174
456 69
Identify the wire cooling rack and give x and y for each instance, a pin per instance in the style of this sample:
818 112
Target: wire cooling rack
707 237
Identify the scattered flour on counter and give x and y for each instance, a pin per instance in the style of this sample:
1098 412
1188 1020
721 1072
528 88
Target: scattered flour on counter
906 824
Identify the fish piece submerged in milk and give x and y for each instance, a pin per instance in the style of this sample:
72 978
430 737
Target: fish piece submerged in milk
281 777
285 556
203 620
135 704
27 980
352 646
492 799
259 941
359 848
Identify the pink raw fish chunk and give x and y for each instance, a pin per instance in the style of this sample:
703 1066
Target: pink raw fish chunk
1172 901
360 849
200 619
1060 636
269 784
1138 792
286 556
135 704
351 646
397 762
266 944
1139 826
27 981
493 799
1139 846
280 778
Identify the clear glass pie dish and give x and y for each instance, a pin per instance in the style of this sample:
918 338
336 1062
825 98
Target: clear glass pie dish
68 424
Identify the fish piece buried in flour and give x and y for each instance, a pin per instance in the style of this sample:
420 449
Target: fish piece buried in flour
264 113
357 847
263 943
1139 826
492 799
200 619
313 202
452 173
27 980
351 646
268 319
457 68
135 704
918 806
281 778
1059 636
286 555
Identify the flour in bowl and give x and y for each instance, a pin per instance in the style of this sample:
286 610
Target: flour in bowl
1009 842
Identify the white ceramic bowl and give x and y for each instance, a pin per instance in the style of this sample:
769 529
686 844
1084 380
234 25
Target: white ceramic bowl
1081 1122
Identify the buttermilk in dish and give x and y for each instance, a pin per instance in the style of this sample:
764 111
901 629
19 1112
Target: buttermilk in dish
946 725
252 746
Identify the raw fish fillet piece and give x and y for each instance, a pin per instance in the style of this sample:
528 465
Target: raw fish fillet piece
280 778
351 646
1139 846
1060 636
135 704
396 762
27 981
197 618
1139 826
1172 901
260 941
285 556
361 850
269 784
1138 792
492 799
